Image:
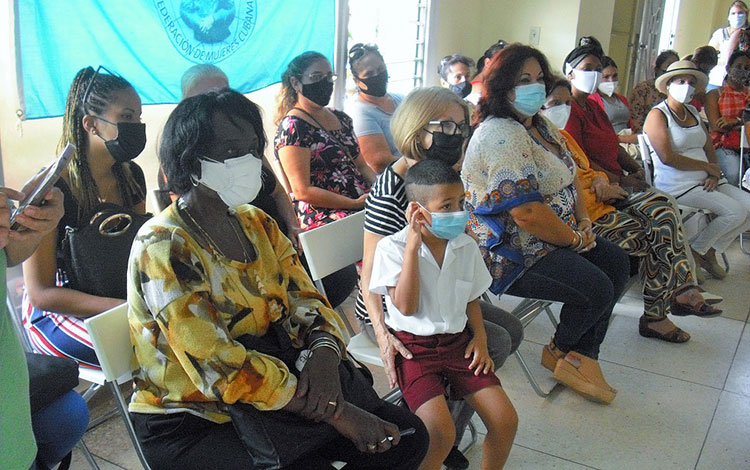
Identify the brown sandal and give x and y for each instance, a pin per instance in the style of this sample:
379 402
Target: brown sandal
675 335
682 310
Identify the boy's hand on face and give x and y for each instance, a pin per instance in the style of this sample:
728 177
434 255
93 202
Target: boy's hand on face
416 220
481 363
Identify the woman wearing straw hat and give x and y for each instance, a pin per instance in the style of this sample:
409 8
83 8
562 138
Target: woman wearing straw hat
686 165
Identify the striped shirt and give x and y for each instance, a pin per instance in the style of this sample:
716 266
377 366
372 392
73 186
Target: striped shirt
385 214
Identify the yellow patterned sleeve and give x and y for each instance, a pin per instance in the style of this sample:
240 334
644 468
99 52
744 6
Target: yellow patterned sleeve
174 285
309 310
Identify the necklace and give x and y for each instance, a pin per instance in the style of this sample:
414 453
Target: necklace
681 119
208 238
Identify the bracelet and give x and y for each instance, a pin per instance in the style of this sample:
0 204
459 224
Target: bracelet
585 218
576 236
329 346
325 342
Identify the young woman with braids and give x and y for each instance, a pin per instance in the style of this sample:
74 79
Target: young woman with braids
103 120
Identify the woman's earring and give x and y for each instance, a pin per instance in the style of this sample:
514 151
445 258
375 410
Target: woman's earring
194 181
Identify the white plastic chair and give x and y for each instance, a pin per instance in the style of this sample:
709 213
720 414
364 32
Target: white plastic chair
332 247
686 212
745 144
110 335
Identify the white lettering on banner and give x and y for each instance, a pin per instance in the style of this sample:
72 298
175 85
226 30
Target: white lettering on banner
207 31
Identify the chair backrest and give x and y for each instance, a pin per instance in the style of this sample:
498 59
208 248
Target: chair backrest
110 335
334 246
648 164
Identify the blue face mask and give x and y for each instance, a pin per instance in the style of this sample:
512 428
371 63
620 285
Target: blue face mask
529 98
447 225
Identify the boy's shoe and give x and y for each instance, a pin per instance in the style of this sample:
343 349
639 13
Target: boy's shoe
456 460
583 375
550 355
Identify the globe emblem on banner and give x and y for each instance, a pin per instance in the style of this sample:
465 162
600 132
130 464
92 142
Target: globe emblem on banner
207 31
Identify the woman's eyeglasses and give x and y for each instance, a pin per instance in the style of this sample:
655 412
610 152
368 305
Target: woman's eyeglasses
97 73
451 128
315 77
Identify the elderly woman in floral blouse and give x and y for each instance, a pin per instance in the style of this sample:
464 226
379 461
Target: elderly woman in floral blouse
211 280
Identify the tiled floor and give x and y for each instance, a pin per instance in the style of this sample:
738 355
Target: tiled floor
679 406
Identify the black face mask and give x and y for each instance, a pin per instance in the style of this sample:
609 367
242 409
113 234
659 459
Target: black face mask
446 148
376 85
318 92
130 141
462 89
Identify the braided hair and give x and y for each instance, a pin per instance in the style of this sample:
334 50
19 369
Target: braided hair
101 91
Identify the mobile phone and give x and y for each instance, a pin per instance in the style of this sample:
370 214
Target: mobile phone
51 175
404 432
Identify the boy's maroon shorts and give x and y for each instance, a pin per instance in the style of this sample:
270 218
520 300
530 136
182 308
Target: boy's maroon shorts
437 363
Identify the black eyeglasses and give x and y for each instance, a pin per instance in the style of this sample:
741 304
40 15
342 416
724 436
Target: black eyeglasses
93 79
359 49
451 128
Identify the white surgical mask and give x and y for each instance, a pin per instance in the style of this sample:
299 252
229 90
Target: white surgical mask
608 88
682 92
737 20
586 80
559 114
236 180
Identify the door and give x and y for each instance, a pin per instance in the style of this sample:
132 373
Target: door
647 42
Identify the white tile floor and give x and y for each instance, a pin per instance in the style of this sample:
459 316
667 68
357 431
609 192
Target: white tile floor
679 406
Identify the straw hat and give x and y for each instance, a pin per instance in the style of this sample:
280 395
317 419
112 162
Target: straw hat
681 67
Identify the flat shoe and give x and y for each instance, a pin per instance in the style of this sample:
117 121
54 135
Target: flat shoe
711 299
577 374
682 310
676 335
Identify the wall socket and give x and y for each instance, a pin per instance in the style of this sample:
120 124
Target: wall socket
534 33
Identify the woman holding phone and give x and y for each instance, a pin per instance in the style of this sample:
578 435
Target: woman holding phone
102 119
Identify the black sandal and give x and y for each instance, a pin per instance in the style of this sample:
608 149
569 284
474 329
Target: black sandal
704 310
676 335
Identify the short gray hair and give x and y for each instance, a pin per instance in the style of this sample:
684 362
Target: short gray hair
198 72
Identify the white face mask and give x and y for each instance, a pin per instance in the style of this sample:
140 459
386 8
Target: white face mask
559 114
682 92
608 88
737 20
236 180
586 80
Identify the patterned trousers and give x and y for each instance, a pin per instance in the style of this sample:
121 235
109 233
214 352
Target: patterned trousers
649 228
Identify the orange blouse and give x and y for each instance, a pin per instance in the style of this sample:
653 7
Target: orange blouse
586 176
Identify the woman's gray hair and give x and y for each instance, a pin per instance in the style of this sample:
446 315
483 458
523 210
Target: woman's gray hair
198 72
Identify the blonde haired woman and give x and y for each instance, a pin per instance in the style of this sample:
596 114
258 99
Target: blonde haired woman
431 123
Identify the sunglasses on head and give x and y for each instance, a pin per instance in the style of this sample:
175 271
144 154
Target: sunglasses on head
359 49
97 73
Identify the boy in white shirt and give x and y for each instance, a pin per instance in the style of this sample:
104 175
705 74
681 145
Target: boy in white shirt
432 275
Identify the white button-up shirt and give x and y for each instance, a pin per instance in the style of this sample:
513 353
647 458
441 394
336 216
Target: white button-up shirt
443 293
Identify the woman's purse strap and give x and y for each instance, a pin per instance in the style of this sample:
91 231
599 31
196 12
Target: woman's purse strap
328 133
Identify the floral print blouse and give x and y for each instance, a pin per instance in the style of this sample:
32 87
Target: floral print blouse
643 97
188 305
505 168
331 167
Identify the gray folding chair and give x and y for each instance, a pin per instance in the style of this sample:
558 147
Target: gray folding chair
110 335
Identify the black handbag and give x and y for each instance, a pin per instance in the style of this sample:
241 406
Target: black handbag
50 377
95 255
275 439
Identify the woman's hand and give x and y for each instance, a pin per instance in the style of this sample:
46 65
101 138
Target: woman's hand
607 193
727 123
293 234
634 182
320 386
481 363
713 169
359 203
368 432
710 184
584 225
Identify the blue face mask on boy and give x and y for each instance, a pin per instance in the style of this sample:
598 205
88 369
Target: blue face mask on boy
447 225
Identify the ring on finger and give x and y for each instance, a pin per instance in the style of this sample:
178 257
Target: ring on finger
371 447
332 403
385 439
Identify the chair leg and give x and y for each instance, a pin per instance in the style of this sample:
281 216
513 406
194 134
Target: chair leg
551 315
90 392
531 378
474 438
726 261
123 407
87 455
742 243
